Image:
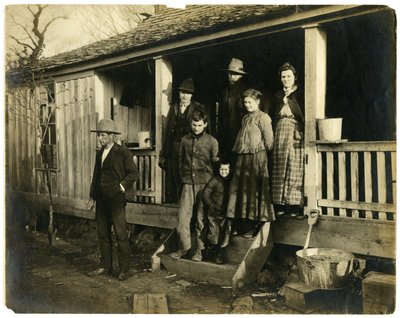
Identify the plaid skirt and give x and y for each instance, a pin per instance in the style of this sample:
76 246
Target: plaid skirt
288 164
249 192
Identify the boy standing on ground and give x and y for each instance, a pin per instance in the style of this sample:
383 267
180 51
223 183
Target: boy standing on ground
197 154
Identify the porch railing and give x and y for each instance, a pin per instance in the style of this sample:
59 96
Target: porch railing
358 180
146 186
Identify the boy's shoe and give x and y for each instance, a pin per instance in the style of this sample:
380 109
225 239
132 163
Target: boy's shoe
249 234
99 271
197 257
178 254
123 276
220 258
225 241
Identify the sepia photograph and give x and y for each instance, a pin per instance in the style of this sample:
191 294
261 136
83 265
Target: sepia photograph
190 158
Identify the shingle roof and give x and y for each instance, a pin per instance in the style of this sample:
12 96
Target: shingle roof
167 26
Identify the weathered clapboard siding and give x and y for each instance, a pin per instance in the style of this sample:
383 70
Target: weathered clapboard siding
76 115
22 140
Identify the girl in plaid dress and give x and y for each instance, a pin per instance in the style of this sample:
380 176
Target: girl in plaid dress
288 154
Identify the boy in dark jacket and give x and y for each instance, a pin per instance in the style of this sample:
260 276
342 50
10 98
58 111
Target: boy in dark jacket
215 196
197 154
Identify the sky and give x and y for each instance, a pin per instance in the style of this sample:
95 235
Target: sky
64 34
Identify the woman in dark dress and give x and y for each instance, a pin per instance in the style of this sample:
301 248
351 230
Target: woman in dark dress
288 154
249 194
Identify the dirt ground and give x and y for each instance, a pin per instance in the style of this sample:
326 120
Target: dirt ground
43 279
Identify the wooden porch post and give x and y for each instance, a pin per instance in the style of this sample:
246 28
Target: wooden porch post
163 91
315 89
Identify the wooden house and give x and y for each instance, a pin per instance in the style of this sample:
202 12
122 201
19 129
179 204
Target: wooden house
345 58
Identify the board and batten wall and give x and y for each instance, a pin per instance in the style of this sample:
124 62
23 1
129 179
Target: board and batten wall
22 146
80 106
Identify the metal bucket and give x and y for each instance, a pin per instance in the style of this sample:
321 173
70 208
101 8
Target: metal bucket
330 129
325 268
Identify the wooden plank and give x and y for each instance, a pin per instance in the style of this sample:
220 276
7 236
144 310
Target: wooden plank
17 158
145 193
150 304
217 274
368 182
140 304
354 181
70 142
147 168
394 177
359 146
163 94
157 304
137 183
315 89
359 236
329 180
141 172
69 77
74 164
22 143
94 117
319 183
254 259
153 172
87 168
381 207
31 138
237 249
342 180
79 124
381 174
11 125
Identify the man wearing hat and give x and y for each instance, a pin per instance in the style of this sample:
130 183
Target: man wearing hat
177 126
231 109
113 177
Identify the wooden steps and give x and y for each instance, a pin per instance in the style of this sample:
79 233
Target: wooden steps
200 271
244 259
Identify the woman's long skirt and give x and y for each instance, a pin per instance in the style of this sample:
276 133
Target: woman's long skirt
249 192
287 163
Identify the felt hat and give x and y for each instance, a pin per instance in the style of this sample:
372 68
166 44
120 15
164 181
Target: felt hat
236 66
106 126
187 85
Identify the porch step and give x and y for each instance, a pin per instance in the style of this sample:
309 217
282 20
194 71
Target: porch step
244 259
200 271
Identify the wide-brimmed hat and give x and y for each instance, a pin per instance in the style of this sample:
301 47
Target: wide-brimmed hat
106 126
187 85
236 66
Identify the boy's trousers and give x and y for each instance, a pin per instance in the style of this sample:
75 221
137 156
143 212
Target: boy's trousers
191 202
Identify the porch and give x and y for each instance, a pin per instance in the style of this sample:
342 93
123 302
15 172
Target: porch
356 195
